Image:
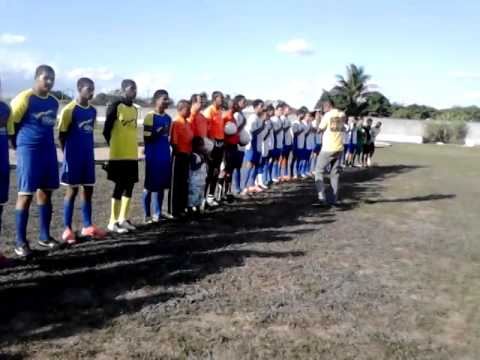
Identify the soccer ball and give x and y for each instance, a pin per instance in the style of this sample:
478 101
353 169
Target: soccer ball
230 128
208 144
244 138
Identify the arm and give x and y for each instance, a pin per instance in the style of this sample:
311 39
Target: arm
64 125
110 121
19 107
148 134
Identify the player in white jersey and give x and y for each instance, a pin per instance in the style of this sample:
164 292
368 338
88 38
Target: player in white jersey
253 154
278 136
352 141
287 145
318 140
298 130
309 144
263 177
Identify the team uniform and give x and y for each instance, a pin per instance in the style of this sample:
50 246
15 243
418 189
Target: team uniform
181 139
120 132
309 147
298 129
78 166
267 147
158 163
278 138
37 166
287 146
233 156
197 180
6 130
253 154
217 135
241 123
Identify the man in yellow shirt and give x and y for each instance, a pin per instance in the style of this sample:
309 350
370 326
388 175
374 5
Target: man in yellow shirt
333 127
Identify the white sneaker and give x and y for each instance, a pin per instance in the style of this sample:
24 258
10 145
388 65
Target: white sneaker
211 202
147 220
115 228
263 186
126 224
156 219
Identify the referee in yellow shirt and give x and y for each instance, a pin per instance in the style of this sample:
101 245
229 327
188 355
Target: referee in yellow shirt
120 132
333 127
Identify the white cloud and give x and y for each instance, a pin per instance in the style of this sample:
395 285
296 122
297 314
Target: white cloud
100 73
464 74
296 47
10 39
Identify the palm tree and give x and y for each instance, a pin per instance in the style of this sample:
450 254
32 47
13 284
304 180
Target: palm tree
353 90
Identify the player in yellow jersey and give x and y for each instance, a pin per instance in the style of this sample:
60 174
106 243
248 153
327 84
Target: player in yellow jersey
120 132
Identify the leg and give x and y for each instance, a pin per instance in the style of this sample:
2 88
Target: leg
146 201
157 204
322 163
68 206
125 204
335 175
44 202
116 202
21 219
87 194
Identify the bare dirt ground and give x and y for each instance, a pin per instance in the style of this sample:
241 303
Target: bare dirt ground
394 275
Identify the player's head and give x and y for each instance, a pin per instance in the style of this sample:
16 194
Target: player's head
279 108
129 89
217 98
44 78
85 88
302 112
161 99
369 121
183 108
328 105
311 115
198 145
239 103
270 110
229 104
258 106
378 124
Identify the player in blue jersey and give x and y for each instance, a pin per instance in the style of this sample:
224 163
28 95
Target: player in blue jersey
77 122
156 132
6 131
34 114
278 134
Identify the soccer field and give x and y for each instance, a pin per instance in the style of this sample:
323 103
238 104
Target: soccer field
394 275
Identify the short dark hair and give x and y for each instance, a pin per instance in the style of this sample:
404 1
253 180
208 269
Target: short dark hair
84 81
159 93
270 107
127 82
303 110
280 105
43 69
182 104
257 102
194 98
237 99
216 94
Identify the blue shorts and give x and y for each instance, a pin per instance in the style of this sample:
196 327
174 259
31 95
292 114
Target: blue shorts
352 148
37 168
78 172
317 149
307 153
298 153
276 153
253 156
345 147
287 149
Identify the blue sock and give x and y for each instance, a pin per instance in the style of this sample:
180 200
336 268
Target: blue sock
68 207
275 172
270 171
265 173
146 200
157 203
21 222
236 181
45 217
252 174
244 176
87 213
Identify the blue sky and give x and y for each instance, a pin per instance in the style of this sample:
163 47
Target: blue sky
416 51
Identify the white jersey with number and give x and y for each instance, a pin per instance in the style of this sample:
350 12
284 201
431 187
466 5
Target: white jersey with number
253 124
278 131
287 131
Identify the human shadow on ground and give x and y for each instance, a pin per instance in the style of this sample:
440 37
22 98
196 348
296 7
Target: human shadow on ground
431 197
38 298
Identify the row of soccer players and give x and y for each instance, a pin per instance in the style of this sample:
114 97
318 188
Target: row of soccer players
185 155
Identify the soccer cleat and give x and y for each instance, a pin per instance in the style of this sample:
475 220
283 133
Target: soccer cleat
23 251
211 202
126 224
68 236
94 232
50 243
115 228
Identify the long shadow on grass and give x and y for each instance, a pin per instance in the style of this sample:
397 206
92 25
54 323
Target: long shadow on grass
176 253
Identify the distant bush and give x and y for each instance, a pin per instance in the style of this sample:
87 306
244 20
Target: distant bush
447 128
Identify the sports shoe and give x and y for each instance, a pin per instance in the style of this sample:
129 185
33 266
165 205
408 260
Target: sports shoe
147 220
263 186
126 224
168 216
156 219
211 202
275 181
115 228
68 236
94 232
50 243
23 251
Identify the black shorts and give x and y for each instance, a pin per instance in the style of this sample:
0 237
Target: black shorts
369 149
122 171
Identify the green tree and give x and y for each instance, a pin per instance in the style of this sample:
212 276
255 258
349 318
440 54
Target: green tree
378 104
